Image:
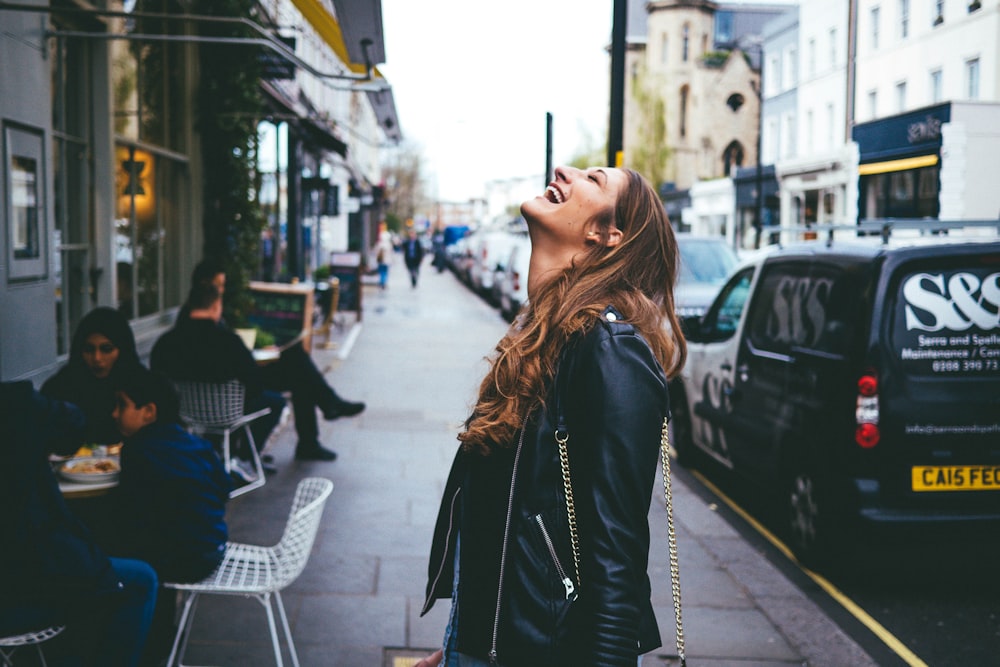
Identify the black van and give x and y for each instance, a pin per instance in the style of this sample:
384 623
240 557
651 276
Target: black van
861 381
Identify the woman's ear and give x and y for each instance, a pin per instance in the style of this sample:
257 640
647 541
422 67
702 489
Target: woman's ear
614 237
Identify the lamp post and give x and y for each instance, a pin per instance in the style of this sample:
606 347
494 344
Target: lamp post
617 111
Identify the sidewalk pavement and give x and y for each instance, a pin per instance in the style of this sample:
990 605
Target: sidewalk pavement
416 357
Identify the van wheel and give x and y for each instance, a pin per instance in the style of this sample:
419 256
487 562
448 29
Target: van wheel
811 519
681 436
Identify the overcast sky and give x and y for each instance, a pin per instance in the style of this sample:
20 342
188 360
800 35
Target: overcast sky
472 82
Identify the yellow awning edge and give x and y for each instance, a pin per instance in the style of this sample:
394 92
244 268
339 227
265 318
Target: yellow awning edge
327 27
897 165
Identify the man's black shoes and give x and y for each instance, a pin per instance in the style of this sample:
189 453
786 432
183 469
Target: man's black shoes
314 452
342 409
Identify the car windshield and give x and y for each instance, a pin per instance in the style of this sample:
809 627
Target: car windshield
705 260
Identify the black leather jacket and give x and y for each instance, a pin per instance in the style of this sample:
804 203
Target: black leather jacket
516 607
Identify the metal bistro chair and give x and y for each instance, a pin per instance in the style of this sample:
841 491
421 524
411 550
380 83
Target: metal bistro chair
261 572
8 645
217 408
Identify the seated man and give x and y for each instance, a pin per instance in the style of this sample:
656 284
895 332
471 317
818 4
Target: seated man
294 371
51 570
198 349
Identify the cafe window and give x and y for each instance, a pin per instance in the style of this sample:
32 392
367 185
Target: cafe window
150 190
148 78
73 259
152 182
912 193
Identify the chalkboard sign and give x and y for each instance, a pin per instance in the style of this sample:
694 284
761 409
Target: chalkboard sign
346 267
283 310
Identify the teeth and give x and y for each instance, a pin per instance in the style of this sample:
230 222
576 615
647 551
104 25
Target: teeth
553 195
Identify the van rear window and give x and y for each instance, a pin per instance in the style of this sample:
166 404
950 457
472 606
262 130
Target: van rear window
947 322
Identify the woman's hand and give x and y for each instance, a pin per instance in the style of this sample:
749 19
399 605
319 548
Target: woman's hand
433 660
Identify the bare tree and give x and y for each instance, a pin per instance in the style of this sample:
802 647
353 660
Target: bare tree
405 184
649 150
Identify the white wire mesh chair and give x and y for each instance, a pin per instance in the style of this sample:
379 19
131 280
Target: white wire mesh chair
260 572
9 645
217 408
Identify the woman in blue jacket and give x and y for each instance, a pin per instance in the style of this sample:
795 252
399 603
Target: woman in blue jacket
586 362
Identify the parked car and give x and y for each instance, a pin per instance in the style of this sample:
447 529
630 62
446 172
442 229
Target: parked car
705 264
861 382
491 247
513 291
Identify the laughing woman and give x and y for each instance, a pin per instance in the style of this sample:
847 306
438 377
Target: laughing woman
103 346
586 364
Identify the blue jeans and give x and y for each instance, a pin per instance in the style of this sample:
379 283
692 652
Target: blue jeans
129 622
112 633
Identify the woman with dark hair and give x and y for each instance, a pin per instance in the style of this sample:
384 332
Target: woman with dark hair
544 557
103 347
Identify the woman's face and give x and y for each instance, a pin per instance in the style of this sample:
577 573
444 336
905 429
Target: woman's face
99 355
568 207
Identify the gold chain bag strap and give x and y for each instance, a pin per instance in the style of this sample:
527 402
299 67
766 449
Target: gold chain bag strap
562 438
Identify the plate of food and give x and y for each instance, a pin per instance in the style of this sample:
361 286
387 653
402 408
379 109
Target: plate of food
91 469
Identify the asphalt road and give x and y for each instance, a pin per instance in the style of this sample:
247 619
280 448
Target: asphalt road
932 601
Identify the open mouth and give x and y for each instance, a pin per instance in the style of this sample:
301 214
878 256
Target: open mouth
553 194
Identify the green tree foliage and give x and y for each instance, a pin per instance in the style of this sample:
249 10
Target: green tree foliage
648 110
229 102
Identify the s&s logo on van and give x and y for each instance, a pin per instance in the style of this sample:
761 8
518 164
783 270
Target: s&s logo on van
949 323
963 301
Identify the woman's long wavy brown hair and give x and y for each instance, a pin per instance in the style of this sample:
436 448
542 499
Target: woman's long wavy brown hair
636 276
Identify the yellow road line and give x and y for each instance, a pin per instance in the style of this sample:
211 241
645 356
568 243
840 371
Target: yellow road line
887 638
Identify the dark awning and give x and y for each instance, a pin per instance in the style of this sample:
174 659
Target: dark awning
315 130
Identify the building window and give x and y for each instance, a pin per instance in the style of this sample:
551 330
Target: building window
771 141
833 48
812 56
938 12
875 27
664 52
904 18
684 110
901 96
772 78
150 172
789 135
732 157
872 103
72 91
830 124
972 79
792 67
935 86
901 194
685 43
724 27
810 131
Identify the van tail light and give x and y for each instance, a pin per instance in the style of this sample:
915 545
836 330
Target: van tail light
516 281
866 413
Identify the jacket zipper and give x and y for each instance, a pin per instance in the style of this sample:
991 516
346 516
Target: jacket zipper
503 552
447 541
566 581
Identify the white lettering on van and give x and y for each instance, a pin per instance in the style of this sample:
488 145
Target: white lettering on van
931 305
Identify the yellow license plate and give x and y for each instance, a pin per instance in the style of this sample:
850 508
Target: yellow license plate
956 478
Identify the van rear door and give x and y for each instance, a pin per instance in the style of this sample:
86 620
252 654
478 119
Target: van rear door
939 384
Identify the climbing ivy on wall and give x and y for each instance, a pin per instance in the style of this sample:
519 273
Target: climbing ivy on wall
229 103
